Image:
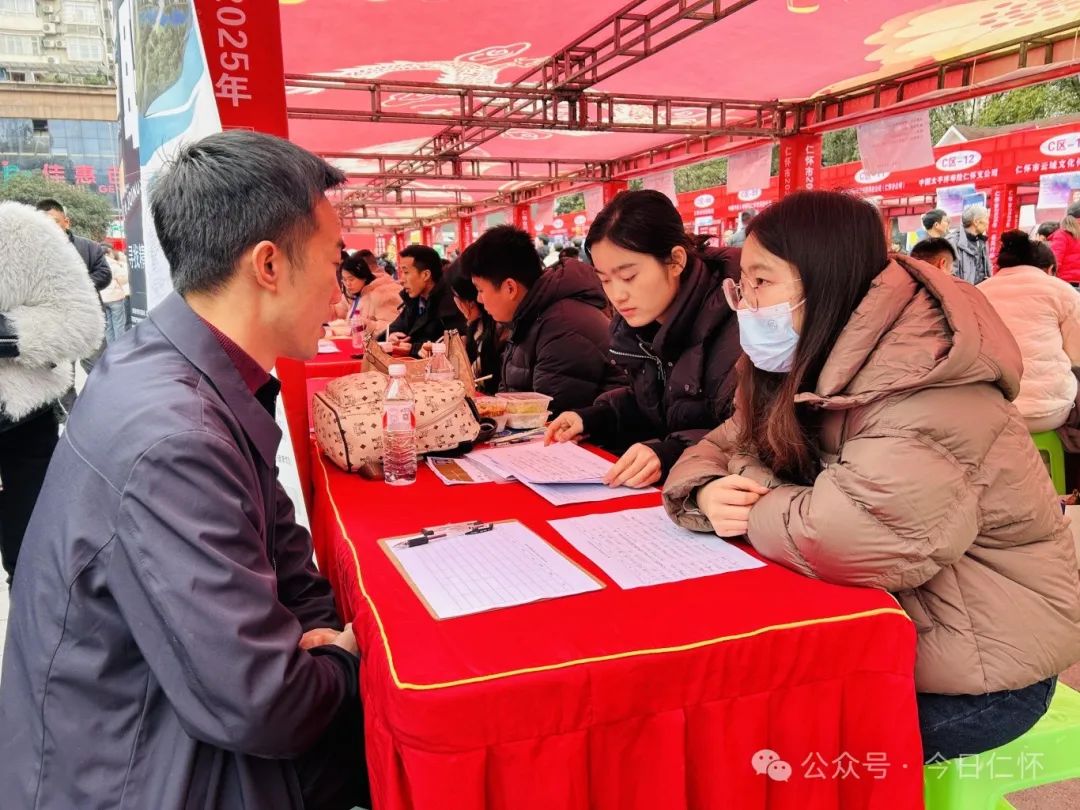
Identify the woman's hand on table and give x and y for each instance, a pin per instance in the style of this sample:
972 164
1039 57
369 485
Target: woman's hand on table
425 350
639 467
566 427
727 502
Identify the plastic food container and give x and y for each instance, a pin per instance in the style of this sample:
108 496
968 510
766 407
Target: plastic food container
525 403
527 421
493 408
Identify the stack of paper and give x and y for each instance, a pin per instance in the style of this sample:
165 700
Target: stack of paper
536 464
509 565
560 473
642 547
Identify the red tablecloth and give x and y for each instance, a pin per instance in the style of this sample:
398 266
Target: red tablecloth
293 375
655 698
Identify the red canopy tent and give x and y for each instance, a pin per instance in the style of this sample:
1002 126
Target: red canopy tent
447 110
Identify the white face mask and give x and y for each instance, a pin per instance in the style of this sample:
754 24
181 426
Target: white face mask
768 336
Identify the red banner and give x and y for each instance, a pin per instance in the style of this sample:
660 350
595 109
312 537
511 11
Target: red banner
1004 215
523 218
242 40
800 163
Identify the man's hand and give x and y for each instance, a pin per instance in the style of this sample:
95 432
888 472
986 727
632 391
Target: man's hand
639 467
318 637
567 427
398 337
727 502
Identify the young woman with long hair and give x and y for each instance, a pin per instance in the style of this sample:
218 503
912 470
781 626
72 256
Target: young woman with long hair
875 444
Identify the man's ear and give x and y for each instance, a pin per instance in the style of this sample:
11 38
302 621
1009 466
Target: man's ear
267 265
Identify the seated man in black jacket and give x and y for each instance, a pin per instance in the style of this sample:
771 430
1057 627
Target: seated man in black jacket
558 325
429 308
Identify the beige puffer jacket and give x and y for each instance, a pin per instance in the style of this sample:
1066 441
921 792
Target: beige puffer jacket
931 488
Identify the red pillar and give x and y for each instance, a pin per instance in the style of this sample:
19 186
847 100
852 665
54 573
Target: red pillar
1004 216
523 218
464 232
399 240
800 163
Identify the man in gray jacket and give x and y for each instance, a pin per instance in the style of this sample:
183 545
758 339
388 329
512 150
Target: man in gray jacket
972 255
171 644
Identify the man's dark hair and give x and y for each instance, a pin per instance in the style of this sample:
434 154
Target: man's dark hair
569 253
49 204
367 256
1046 229
227 192
424 258
929 249
500 253
932 218
747 215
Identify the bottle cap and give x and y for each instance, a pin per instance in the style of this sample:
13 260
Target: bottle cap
397 370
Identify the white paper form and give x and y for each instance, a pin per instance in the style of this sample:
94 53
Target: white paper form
566 494
556 464
510 565
641 547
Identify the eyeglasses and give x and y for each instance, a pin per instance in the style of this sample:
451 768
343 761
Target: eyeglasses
745 297
739 297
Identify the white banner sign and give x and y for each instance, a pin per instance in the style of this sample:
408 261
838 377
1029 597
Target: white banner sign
545 212
594 201
896 143
664 182
749 169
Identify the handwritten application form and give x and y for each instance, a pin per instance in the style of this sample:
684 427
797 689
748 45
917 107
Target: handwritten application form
510 565
641 547
536 464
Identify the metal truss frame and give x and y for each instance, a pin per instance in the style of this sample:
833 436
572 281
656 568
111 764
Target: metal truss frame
557 99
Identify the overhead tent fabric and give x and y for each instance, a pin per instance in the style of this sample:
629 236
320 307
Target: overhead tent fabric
761 52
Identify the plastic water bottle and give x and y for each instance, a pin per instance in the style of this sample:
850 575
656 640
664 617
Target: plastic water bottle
356 329
439 369
399 430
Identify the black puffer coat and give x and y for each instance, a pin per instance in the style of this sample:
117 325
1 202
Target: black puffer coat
559 340
682 374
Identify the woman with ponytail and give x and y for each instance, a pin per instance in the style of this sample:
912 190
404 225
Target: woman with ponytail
874 444
1043 314
1065 242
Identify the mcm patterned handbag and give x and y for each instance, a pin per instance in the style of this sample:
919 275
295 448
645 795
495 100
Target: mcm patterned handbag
348 418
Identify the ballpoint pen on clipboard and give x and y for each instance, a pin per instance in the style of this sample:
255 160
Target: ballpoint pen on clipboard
515 438
440 532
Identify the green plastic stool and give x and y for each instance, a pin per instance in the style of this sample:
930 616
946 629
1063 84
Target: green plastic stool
1053 455
1048 753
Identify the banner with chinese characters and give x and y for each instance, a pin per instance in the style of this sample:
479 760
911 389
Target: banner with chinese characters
166 100
187 70
896 143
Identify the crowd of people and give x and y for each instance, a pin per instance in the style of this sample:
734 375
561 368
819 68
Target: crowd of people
857 415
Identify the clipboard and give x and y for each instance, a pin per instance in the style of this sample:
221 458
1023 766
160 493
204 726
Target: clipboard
388 546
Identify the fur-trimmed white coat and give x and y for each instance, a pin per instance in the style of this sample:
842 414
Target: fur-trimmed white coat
47 295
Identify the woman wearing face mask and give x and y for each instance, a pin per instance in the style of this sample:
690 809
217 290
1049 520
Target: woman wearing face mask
672 331
874 444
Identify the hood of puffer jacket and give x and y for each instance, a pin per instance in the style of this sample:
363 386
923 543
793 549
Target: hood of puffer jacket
573 280
894 342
